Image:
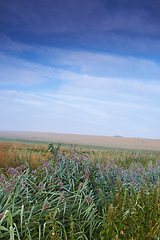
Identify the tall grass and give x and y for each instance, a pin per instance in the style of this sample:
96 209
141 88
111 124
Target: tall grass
13 154
76 195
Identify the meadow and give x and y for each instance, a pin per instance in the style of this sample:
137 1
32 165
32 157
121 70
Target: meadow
58 192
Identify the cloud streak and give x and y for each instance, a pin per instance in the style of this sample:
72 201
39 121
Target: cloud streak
67 114
83 99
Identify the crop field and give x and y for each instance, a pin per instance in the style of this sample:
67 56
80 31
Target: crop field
59 192
89 141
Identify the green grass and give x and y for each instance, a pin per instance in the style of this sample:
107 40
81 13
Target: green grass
79 194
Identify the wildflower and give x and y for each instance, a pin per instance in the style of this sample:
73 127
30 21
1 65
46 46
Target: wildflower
45 205
61 197
43 161
122 233
66 163
89 200
11 171
2 179
55 170
18 169
41 186
80 186
43 174
97 189
59 182
86 175
9 189
22 167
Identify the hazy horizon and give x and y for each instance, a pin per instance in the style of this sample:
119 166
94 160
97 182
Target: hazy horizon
114 136
89 67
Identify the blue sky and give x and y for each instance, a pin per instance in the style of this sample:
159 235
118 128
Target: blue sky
80 66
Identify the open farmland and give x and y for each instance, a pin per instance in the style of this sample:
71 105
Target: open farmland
84 140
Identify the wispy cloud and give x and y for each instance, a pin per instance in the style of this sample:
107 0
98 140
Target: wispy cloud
82 92
86 83
83 62
14 70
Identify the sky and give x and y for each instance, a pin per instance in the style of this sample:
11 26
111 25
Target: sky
80 66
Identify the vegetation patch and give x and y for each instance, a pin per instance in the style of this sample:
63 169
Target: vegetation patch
73 194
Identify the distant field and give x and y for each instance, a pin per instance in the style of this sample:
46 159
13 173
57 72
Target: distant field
83 140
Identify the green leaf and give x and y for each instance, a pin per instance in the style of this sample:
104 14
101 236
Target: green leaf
21 216
30 214
9 218
11 230
17 232
3 228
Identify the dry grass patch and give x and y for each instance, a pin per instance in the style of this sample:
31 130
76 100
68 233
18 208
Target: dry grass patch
13 154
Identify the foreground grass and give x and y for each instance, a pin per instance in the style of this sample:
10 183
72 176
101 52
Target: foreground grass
77 195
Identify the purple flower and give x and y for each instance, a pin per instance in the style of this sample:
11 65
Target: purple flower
89 200
66 162
86 175
2 179
80 186
43 174
11 171
55 170
45 205
59 182
9 189
61 197
43 161
18 169
22 167
41 186
97 189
